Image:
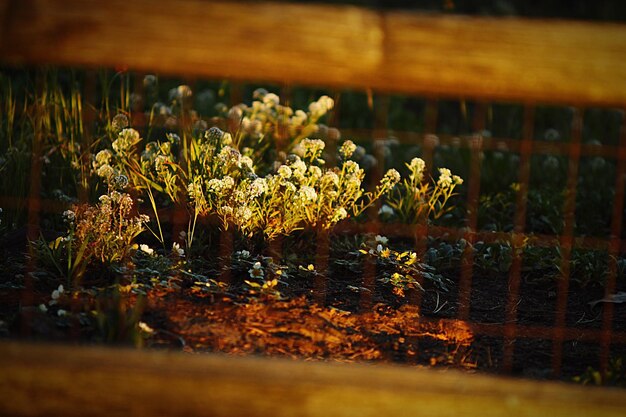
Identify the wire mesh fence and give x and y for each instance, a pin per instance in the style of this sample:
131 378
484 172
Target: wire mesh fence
542 196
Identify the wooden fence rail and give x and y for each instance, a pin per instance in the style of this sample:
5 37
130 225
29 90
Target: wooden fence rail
77 381
501 59
535 61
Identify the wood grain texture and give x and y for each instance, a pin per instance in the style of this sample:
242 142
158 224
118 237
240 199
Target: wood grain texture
247 40
338 46
76 381
543 60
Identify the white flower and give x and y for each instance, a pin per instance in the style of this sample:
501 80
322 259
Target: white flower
390 179
126 139
445 178
381 239
225 211
214 185
386 210
417 167
178 250
299 118
271 99
290 188
43 308
246 161
243 213
146 249
144 327
241 196
330 177
315 172
379 248
347 149
61 313
56 294
327 102
120 181
307 194
351 167
256 271
69 216
117 197
105 171
339 215
354 183
313 147
229 156
315 109
284 171
298 167
244 254
228 182
258 187
195 191
321 106
160 163
103 158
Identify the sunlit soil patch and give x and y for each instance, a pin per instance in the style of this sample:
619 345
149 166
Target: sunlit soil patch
300 329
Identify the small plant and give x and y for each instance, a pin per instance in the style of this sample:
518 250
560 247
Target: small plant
103 233
265 279
615 375
415 200
402 270
118 316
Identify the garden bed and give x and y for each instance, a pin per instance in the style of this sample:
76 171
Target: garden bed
256 229
176 314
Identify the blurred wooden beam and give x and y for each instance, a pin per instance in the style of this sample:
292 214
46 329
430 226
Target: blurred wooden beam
245 40
342 46
510 59
78 381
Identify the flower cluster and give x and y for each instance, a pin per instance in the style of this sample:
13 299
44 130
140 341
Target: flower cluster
125 141
297 195
154 168
226 172
268 127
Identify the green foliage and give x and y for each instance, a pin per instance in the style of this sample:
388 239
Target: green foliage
615 375
402 270
118 317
